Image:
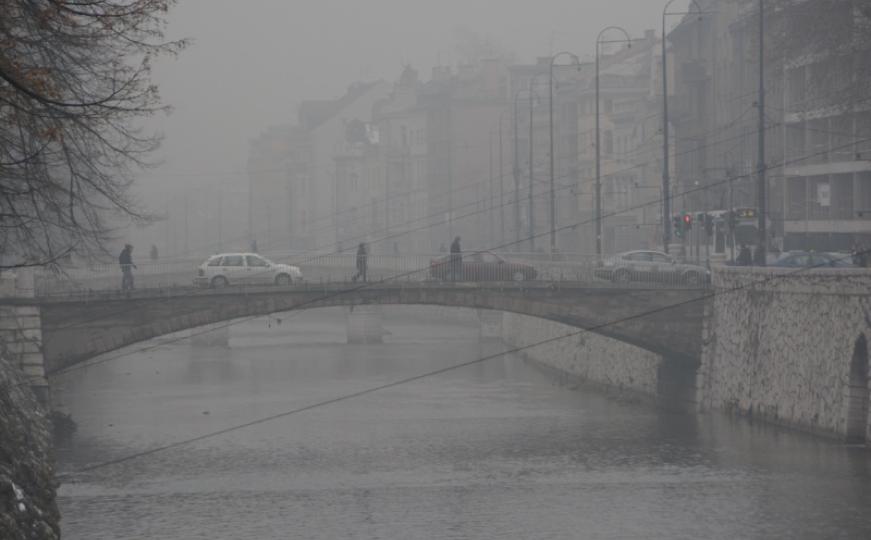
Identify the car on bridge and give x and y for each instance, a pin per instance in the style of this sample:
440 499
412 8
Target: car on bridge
482 266
813 259
244 269
651 266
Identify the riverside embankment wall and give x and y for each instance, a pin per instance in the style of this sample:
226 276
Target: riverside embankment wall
779 345
584 356
790 347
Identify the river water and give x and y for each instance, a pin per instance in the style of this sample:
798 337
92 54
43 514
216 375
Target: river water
492 450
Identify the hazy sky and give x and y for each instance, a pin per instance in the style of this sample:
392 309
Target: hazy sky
253 61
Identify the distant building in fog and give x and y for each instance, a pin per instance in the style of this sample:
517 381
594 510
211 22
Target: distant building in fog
292 172
818 166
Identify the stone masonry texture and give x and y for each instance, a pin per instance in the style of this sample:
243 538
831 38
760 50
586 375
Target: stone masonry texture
587 356
779 343
27 490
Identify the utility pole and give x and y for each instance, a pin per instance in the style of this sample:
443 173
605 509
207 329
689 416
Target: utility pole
501 186
598 162
386 203
220 218
517 229
666 172
490 226
762 212
250 211
531 212
186 213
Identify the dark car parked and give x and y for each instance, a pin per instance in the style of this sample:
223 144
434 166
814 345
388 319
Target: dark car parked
483 266
651 266
812 259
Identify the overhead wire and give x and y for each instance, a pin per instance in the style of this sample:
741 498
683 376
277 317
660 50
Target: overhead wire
426 375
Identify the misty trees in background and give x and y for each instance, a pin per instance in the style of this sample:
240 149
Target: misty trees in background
74 88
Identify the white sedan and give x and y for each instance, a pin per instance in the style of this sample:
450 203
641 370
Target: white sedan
244 268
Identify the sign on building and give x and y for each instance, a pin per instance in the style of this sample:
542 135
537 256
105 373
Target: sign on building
824 194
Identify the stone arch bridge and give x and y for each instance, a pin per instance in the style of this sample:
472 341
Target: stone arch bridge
55 332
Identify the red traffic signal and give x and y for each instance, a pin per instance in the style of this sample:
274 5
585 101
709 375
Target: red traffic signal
687 221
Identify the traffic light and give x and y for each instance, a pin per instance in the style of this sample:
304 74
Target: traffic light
709 225
677 225
687 221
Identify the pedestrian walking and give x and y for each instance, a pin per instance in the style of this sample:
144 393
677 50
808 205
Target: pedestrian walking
362 263
456 260
859 256
127 266
744 257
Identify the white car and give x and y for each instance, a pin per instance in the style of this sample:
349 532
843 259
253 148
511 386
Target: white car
244 268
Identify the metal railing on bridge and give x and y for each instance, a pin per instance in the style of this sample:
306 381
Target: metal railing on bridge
341 268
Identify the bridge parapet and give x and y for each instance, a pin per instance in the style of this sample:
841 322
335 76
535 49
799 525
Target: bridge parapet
665 321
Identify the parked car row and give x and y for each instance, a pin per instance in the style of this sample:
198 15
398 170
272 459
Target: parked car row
632 266
814 259
651 266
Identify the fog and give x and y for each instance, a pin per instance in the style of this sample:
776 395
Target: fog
252 62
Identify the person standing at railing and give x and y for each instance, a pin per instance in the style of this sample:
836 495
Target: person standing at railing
153 253
127 266
362 262
456 260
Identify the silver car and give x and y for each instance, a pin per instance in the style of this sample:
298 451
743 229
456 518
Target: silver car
244 268
651 266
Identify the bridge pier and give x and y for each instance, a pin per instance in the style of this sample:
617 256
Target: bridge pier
677 385
21 331
365 324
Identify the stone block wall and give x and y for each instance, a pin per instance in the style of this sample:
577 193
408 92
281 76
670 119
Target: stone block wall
21 331
780 344
583 355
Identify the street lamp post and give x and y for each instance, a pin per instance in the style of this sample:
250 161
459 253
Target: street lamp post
577 63
599 43
501 182
531 224
531 202
762 214
516 175
666 172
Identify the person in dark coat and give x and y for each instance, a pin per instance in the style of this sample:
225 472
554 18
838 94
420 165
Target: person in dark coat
362 263
456 260
744 257
860 258
127 266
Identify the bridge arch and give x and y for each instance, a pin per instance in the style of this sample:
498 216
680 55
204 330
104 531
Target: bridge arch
75 330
